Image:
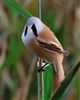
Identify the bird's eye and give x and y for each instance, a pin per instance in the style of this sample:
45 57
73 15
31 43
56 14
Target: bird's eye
34 30
25 31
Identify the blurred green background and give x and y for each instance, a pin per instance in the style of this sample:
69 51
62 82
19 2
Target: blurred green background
18 74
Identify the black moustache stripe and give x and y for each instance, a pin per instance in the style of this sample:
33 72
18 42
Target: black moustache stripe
34 30
26 30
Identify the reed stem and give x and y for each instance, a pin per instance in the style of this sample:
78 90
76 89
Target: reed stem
40 75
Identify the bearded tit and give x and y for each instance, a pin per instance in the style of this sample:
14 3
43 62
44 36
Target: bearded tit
42 42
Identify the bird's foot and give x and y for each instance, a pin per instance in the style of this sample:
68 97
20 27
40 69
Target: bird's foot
39 69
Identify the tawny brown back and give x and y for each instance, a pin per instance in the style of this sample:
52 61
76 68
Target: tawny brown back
38 49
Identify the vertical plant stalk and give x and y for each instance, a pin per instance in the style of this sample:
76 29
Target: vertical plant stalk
42 83
39 87
40 75
39 9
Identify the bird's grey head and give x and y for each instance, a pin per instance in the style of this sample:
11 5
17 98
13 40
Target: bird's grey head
32 29
37 22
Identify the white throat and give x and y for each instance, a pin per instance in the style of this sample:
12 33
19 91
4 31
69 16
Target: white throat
26 39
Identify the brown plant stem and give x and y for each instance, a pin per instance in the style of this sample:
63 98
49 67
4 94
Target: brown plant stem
22 92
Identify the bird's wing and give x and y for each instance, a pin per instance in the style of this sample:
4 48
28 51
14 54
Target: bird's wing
51 46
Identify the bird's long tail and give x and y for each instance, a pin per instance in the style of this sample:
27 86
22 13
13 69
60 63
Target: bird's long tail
60 73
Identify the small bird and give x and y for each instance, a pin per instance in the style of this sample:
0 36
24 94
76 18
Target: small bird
42 42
